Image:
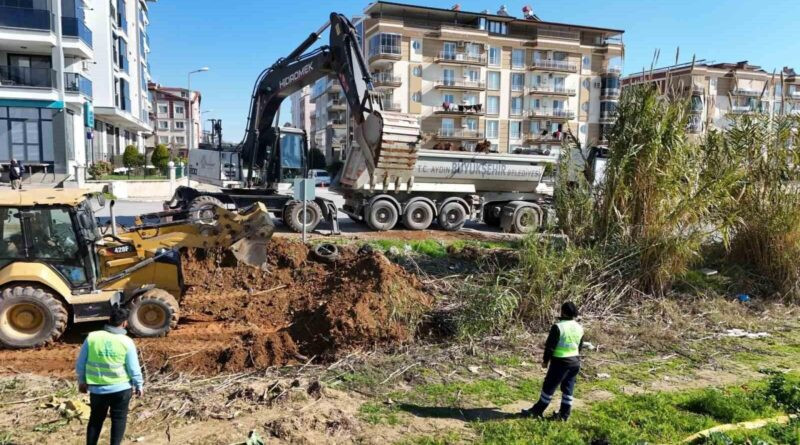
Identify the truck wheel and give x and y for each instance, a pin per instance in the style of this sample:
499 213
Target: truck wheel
202 208
418 216
382 215
30 316
452 217
295 219
153 313
526 220
492 215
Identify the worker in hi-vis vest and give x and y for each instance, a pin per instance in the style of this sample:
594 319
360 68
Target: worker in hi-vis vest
108 368
561 352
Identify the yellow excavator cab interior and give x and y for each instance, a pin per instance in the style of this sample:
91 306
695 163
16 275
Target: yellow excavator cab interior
57 266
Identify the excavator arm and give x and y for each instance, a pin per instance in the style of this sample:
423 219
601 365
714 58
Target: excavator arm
386 141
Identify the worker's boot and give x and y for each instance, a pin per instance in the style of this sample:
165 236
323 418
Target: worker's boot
536 411
563 413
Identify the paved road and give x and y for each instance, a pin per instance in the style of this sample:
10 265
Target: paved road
126 210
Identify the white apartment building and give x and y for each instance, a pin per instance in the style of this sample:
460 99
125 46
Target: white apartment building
71 81
303 112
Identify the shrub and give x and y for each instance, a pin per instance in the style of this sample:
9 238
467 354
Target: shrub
160 157
131 158
316 158
100 169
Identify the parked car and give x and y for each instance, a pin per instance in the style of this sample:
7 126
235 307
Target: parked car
321 177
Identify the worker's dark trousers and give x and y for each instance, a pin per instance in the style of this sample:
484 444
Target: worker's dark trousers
117 403
562 373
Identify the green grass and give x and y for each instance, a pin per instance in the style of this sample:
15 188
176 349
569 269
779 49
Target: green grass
132 178
449 438
435 248
50 427
6 438
378 414
773 434
454 394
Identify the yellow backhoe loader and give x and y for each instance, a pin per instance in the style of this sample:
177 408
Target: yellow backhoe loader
57 266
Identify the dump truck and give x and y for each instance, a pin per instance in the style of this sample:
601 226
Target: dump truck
387 178
57 266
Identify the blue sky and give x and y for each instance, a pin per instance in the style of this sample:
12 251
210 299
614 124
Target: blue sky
239 38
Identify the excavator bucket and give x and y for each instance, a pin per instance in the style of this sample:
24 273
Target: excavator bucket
251 245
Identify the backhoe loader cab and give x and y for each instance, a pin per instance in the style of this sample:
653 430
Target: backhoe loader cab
56 266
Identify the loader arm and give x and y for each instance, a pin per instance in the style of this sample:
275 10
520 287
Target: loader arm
387 141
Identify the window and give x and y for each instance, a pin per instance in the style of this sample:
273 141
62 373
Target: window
494 56
13 244
449 50
537 80
471 124
493 105
493 26
180 140
536 104
416 97
163 139
417 71
473 76
517 81
515 130
469 99
558 104
448 127
179 109
559 55
163 109
491 129
184 94
558 83
536 128
163 125
180 125
448 98
516 106
474 50
448 77
493 80
26 134
518 58
384 43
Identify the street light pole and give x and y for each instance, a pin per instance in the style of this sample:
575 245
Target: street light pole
190 142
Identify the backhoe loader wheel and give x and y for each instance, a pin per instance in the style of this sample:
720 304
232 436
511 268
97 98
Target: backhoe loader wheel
202 208
30 316
153 314
295 218
452 217
418 216
382 215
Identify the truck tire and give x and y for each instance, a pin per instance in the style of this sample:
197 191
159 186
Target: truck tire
153 313
382 215
293 216
201 208
30 316
526 220
452 217
326 252
418 216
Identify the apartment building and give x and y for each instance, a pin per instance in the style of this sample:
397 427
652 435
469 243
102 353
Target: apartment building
718 90
520 83
303 109
329 133
69 82
173 110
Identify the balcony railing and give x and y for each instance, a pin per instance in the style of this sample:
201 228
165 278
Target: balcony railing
391 106
337 104
76 83
558 34
74 27
473 59
26 18
743 92
551 112
616 70
610 93
386 80
460 84
553 65
19 76
476 110
385 52
336 123
552 90
538 138
458 133
608 117
742 109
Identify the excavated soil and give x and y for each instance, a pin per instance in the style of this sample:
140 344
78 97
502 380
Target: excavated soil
235 317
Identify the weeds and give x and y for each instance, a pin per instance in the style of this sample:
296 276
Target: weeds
6 438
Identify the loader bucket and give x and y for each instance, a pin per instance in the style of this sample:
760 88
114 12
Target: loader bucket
251 247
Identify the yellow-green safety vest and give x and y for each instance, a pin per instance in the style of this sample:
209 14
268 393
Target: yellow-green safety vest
105 364
569 339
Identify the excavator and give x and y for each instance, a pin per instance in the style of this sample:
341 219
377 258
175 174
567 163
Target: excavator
57 266
270 156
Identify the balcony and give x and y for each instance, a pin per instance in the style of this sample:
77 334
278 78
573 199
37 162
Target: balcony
25 18
391 106
76 83
450 84
458 134
546 90
553 65
608 117
337 123
746 93
793 94
614 70
333 86
610 93
385 52
538 138
551 113
694 127
74 27
742 109
337 105
460 58
460 110
386 80
18 76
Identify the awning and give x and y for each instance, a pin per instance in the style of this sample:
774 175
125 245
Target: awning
121 119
